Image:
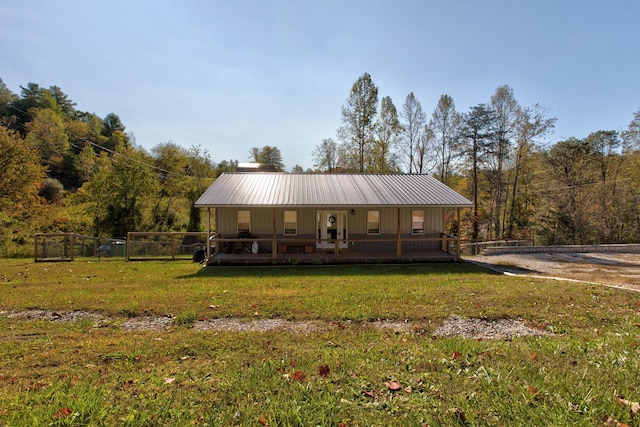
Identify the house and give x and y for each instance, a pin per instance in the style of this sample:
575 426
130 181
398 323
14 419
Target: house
318 218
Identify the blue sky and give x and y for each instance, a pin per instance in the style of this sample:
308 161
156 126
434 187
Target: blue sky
233 75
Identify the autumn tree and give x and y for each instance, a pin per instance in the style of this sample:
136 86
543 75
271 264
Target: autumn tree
606 147
19 186
387 131
413 122
358 121
532 124
47 133
445 125
476 134
631 136
422 154
506 110
569 217
120 192
325 155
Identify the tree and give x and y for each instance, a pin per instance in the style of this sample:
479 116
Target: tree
114 131
226 166
21 171
122 189
445 124
67 106
569 217
388 130
477 133
47 133
413 124
424 144
172 162
506 110
87 163
631 136
6 98
19 185
358 120
608 159
269 157
531 124
325 155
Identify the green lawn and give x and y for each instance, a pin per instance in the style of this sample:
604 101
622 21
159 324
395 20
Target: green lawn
57 373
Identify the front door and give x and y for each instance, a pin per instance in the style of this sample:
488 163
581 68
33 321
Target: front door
332 226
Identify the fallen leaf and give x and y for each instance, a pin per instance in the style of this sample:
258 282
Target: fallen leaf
169 380
298 376
533 356
633 406
393 385
323 370
370 394
263 421
408 389
62 413
456 355
532 389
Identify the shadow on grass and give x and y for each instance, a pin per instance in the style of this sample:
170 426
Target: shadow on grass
338 270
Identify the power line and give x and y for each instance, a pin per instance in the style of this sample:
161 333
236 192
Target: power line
108 150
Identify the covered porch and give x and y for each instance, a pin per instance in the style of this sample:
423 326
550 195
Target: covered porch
274 251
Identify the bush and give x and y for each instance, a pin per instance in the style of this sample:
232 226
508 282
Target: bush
52 190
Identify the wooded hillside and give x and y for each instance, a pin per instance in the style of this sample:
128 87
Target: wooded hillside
65 170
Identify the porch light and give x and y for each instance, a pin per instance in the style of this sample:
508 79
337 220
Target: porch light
353 211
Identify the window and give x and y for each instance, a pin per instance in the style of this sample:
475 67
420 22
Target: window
417 222
373 222
244 222
290 223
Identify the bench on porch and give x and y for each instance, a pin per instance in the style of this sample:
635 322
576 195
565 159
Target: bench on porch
284 248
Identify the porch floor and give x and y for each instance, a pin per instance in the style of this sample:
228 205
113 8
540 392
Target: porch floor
324 257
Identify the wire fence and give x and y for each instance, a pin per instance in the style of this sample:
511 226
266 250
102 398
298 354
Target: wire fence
70 246
165 246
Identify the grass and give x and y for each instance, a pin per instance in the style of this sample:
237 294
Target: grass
54 373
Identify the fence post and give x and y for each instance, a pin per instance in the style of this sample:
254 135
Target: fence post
72 237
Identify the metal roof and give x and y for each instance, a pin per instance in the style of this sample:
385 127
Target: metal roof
281 189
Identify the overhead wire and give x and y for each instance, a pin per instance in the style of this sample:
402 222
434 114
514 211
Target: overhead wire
94 144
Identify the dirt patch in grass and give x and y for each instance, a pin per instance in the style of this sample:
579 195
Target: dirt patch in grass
486 329
454 326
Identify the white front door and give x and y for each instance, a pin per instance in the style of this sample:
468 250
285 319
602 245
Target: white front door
332 226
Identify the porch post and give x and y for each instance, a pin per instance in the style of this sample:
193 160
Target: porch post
274 245
208 233
458 234
399 241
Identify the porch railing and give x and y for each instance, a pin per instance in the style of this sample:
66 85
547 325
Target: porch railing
279 247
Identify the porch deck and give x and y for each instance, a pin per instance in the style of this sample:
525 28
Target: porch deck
326 257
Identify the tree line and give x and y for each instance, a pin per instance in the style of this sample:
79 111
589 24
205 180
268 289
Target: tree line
575 191
65 170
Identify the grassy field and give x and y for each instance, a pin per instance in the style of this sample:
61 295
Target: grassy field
349 373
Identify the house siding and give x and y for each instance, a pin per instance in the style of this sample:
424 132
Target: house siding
262 222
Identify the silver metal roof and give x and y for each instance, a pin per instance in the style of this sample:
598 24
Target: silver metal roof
281 189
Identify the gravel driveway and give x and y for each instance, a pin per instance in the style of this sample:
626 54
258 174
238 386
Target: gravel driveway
620 270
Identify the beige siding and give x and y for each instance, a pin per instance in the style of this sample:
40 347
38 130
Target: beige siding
262 220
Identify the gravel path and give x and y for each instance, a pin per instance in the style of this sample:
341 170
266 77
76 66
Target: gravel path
454 326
